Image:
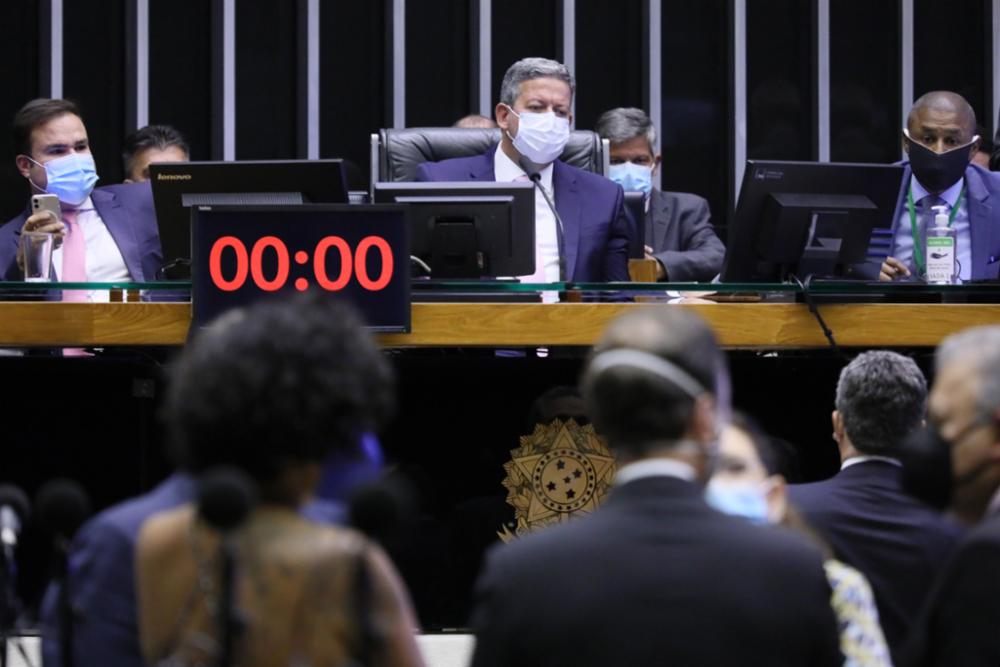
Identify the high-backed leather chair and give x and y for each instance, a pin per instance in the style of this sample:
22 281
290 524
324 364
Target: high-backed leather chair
395 154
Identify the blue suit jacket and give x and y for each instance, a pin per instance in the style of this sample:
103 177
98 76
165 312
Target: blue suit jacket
591 207
982 199
127 211
896 541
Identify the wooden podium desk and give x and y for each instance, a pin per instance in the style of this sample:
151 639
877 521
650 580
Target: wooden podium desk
739 325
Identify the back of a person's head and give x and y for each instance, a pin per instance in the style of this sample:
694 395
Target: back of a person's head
277 384
159 137
645 373
882 398
978 350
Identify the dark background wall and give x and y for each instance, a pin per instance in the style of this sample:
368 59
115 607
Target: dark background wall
440 73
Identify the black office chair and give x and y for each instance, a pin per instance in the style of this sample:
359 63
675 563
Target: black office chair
395 154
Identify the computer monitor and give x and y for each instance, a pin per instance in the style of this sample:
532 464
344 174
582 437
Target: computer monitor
469 229
177 186
807 218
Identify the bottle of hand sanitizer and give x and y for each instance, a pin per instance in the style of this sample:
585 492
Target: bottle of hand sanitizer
940 249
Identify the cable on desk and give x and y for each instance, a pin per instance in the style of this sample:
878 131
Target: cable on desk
814 309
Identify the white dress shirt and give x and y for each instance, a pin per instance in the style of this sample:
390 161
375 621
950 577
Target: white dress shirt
656 467
854 460
105 263
546 236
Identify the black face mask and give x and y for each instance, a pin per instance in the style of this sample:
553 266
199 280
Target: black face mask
927 473
938 171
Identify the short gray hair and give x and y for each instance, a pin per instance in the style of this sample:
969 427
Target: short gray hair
624 124
882 398
527 69
980 345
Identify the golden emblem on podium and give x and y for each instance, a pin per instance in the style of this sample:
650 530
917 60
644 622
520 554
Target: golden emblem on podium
561 470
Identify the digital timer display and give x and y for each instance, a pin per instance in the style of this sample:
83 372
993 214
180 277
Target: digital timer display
243 254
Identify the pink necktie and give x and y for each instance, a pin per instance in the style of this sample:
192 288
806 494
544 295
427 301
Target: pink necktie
74 258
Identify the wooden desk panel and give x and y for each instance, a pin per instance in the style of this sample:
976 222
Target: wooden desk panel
737 324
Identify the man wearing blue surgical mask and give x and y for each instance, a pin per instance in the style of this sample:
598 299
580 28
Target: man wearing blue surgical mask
940 141
678 227
102 235
588 240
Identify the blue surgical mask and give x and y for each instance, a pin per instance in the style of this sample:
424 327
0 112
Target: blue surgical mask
746 500
70 177
632 177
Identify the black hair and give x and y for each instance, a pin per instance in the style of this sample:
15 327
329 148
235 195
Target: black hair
278 383
33 114
152 136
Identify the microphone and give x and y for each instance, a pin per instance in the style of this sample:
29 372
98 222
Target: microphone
532 170
61 507
226 497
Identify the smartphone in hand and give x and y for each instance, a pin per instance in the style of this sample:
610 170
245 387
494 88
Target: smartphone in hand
48 203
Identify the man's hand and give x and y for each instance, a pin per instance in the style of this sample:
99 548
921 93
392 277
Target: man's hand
43 221
661 271
892 268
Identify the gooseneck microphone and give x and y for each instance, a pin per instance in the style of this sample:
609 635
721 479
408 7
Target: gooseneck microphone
61 507
226 496
532 170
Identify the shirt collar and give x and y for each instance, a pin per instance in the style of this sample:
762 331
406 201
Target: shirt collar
657 467
950 195
507 170
864 459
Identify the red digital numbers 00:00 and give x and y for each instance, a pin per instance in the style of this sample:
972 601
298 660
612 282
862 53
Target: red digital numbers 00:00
251 264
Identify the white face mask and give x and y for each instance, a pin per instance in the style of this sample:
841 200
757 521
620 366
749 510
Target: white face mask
541 137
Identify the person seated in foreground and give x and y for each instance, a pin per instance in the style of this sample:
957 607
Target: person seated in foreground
678 225
273 390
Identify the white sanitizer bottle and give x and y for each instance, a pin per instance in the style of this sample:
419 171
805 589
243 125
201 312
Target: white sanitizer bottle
940 250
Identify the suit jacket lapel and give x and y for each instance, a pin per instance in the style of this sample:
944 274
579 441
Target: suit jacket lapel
568 205
979 208
116 220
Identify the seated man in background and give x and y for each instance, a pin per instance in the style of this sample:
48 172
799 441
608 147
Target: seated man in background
940 140
896 541
678 227
105 235
153 143
588 240
654 576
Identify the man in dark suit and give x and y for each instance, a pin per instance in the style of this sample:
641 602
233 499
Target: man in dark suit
959 624
940 140
655 576
590 244
678 226
105 235
870 522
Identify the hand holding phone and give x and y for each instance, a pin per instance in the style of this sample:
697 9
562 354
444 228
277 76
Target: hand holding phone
45 217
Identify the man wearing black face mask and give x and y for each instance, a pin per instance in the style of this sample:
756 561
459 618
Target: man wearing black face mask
959 625
940 141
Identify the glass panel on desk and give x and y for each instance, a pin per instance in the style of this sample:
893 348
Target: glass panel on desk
98 292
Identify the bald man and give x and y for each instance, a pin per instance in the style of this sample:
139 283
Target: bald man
940 141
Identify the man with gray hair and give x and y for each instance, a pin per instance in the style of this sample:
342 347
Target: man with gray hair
870 522
655 576
960 623
588 240
678 225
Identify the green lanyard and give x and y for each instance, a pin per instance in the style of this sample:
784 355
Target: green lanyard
918 252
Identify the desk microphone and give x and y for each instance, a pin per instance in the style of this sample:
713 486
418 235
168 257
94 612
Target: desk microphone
532 170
